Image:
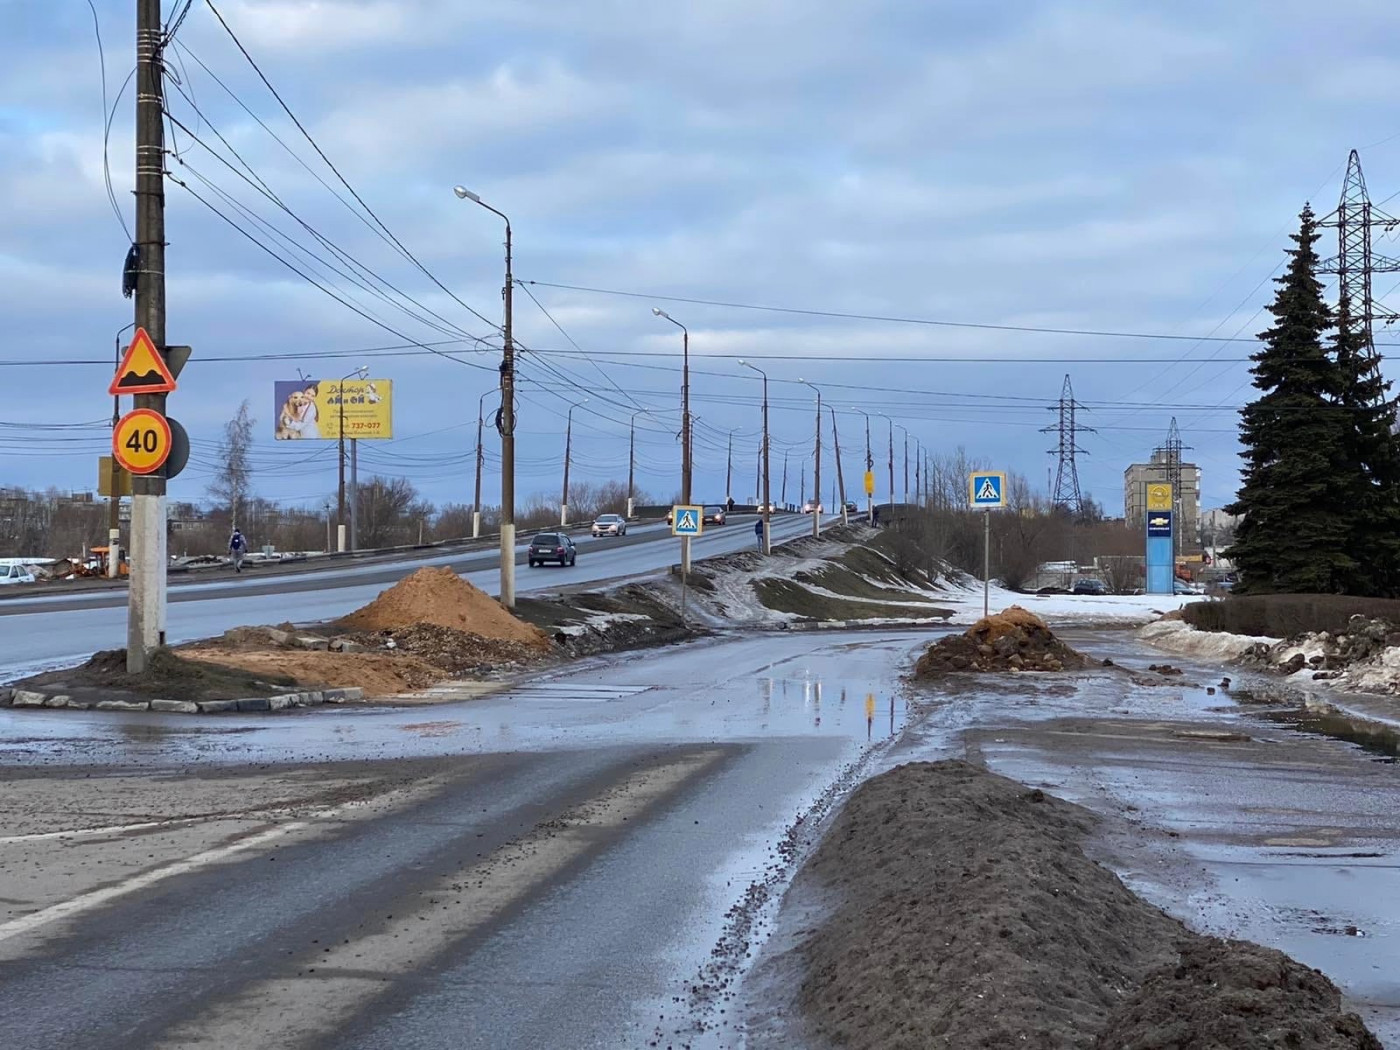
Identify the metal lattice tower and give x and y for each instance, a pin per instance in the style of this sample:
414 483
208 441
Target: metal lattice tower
1355 262
1169 455
1066 490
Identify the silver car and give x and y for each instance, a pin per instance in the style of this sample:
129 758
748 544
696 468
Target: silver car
610 525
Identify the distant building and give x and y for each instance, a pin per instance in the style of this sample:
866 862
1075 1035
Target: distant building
1158 471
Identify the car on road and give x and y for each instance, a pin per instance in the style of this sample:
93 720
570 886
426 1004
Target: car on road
812 505
715 514
1182 587
551 546
609 525
851 507
1089 586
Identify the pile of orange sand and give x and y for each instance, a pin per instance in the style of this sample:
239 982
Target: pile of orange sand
1011 640
439 596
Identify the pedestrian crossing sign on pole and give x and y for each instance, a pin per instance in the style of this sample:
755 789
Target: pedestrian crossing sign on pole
687 520
986 489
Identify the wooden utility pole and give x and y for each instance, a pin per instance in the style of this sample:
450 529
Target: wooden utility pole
145 628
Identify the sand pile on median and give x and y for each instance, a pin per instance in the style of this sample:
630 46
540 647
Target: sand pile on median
1011 640
441 597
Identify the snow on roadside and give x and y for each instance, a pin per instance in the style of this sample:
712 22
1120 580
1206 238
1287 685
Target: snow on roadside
1178 636
1066 609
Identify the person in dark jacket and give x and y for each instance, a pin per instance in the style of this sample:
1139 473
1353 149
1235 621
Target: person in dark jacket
758 531
237 547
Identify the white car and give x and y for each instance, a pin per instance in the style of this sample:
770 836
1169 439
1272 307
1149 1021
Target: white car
810 506
15 574
610 525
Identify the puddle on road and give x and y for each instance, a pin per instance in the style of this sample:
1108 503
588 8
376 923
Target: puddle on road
1375 739
787 704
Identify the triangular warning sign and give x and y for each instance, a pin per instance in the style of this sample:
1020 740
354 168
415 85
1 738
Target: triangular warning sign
143 370
989 490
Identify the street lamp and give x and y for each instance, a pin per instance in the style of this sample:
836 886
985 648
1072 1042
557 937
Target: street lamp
869 469
361 372
685 427
817 465
905 432
767 508
568 449
480 456
505 423
891 423
632 458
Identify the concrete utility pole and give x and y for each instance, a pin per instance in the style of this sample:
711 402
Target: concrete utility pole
816 465
145 625
345 527
480 457
685 427
729 470
905 432
506 422
784 496
632 460
891 423
840 478
767 509
354 493
568 453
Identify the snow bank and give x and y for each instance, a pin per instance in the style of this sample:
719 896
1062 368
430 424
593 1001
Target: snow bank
1177 636
1061 609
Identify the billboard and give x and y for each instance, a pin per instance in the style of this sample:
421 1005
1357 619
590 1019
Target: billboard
310 409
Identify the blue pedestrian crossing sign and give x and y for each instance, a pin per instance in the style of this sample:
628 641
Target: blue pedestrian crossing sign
986 489
687 520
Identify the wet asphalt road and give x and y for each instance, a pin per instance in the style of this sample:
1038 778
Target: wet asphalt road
49 630
561 880
590 860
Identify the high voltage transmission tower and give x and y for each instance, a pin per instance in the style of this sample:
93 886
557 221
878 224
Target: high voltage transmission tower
1168 454
1066 491
1355 262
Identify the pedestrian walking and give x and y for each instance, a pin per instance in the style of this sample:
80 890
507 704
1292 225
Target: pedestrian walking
237 547
758 531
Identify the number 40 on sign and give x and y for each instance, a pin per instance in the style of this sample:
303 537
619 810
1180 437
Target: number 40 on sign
141 441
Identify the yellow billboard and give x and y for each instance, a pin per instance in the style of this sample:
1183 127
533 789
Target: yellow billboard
312 409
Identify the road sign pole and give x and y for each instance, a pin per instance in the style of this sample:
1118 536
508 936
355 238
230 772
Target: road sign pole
146 598
986 563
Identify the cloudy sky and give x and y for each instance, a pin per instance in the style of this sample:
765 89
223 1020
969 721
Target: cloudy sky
1079 164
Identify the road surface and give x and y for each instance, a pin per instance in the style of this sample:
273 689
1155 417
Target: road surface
48 631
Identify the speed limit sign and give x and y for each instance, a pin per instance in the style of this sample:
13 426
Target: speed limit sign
141 441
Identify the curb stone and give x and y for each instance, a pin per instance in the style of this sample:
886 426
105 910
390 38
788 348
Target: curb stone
123 705
78 705
57 701
180 707
24 698
254 703
5 696
207 707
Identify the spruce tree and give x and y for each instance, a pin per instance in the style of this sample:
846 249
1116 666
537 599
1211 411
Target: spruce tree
1374 530
1298 475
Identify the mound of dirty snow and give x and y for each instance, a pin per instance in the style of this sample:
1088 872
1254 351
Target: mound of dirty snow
1011 640
1177 636
439 596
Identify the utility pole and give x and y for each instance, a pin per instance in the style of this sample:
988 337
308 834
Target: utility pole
802 483
480 457
568 451
354 491
685 427
891 423
816 465
340 522
145 626
840 478
906 464
784 496
505 422
729 470
918 483
632 460
1066 492
767 508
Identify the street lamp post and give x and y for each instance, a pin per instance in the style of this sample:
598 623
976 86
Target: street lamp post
905 432
869 469
840 477
729 471
632 460
480 457
817 465
568 451
342 527
685 427
506 422
767 509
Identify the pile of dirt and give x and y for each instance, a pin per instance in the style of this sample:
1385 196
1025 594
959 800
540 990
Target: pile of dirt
167 675
1226 995
969 916
378 674
458 652
439 596
1011 640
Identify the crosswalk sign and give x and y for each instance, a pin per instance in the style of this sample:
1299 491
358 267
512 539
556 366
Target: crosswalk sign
687 520
986 489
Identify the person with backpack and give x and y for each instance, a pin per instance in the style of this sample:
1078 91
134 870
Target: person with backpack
237 547
758 531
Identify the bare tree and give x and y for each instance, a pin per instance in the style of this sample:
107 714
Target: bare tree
232 483
390 512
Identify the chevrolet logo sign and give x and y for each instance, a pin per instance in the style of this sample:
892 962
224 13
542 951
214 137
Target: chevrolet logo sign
1159 523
